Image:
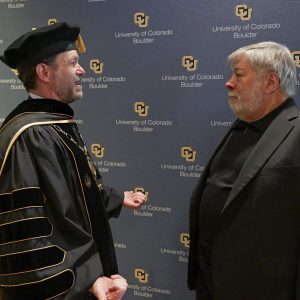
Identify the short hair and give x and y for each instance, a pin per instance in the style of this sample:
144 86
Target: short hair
271 57
27 73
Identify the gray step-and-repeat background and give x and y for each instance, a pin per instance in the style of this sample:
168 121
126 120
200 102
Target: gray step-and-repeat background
154 107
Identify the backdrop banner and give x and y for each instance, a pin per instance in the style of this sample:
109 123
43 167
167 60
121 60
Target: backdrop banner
154 107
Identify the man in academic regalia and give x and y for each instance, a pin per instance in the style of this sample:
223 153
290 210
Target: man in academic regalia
55 238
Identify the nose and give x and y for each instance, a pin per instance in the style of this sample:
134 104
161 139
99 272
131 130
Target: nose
80 70
230 84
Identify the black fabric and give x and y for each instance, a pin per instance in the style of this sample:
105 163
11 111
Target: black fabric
24 229
21 199
31 260
46 159
223 172
36 45
40 105
100 225
45 289
221 176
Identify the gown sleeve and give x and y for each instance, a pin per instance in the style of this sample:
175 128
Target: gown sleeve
46 247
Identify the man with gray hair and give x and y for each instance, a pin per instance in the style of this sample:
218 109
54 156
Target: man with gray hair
245 209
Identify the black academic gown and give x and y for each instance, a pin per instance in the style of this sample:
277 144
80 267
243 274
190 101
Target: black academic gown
256 247
55 238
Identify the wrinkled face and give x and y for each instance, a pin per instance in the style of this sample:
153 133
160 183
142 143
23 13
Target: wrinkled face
245 91
67 77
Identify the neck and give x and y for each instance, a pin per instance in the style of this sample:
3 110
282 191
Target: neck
44 94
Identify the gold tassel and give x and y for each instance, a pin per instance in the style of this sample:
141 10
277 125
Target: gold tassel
79 44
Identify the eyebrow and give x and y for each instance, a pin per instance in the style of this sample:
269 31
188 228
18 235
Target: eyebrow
237 68
73 57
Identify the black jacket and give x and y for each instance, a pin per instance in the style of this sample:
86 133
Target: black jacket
256 248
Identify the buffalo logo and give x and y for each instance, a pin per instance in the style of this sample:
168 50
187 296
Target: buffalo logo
141 109
142 190
189 63
140 19
141 275
296 57
97 66
97 150
188 153
185 239
243 11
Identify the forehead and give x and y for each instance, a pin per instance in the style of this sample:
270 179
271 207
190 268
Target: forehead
241 62
67 55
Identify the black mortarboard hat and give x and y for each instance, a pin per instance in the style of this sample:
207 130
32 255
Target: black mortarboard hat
41 43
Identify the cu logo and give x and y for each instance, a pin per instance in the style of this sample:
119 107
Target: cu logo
141 275
185 239
52 21
15 72
141 20
189 63
296 57
141 109
188 153
97 150
243 11
97 66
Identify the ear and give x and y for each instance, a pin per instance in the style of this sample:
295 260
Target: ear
272 83
43 72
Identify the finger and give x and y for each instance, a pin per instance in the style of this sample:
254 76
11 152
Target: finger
139 200
139 197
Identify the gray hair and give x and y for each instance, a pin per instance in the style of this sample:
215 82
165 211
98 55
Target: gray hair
271 57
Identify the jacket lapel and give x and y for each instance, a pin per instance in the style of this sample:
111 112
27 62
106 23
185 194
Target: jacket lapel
269 142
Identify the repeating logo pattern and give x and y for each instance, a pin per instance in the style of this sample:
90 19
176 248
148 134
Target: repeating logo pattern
296 57
97 150
141 19
141 109
243 12
188 153
96 66
189 62
141 275
52 21
15 72
185 239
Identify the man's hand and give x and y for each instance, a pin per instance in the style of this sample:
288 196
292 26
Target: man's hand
100 288
117 287
133 200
